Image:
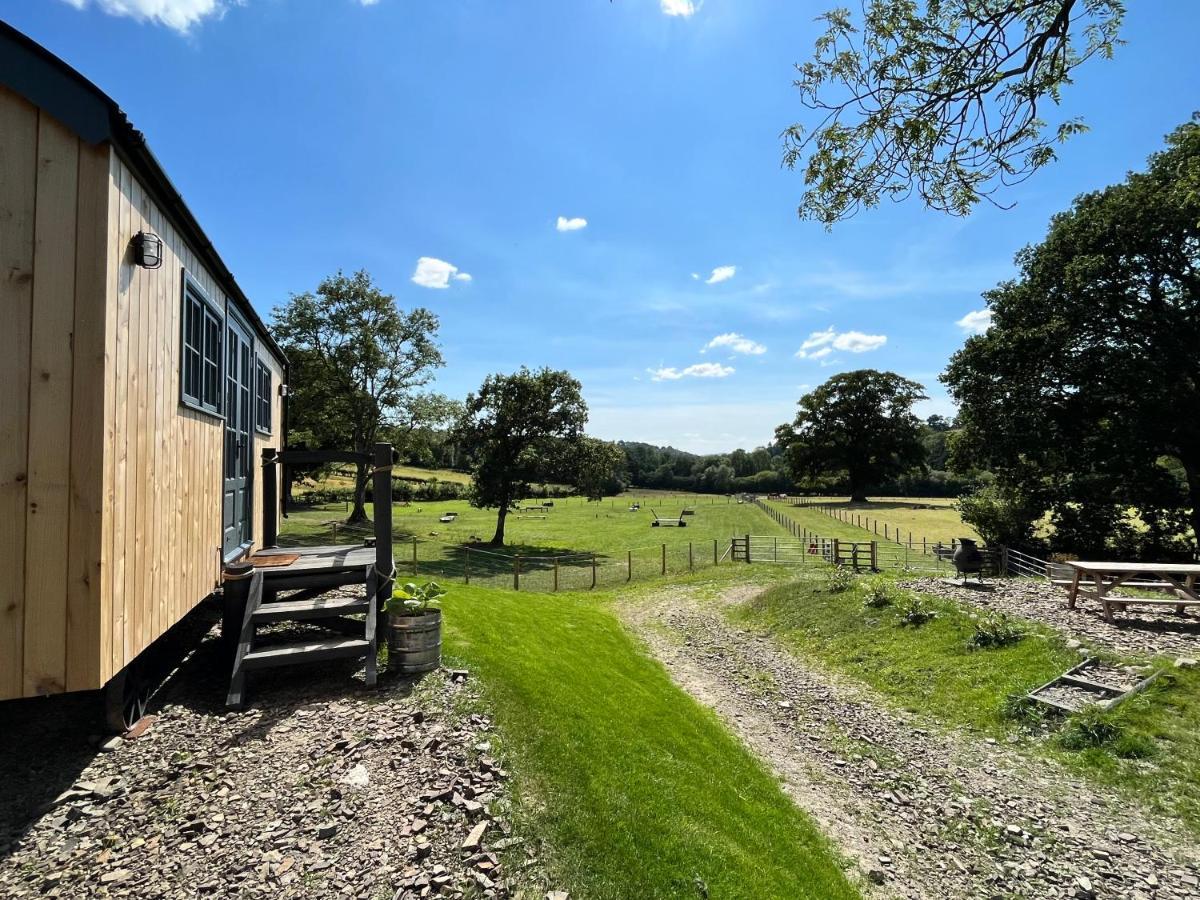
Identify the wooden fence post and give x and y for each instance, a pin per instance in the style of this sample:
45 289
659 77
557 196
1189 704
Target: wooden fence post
414 554
629 563
691 560
664 559
716 559
385 564
270 498
517 572
593 570
875 555
556 573
747 548
837 553
468 565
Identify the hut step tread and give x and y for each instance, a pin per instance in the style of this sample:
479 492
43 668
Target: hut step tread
315 608
306 651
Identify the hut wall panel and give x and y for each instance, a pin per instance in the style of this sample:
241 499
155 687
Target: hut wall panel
18 180
53 249
91 413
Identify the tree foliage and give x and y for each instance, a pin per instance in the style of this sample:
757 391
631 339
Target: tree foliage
520 429
1000 514
946 98
860 423
1084 391
357 363
598 468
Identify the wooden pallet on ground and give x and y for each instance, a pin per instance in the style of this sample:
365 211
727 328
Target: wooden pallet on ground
1090 682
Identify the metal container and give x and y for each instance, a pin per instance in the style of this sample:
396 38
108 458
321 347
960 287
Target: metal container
414 642
967 558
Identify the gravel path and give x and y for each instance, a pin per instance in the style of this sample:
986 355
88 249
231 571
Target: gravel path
1138 631
924 812
320 789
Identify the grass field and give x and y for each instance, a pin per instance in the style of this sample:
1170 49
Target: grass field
933 519
606 528
1154 756
639 791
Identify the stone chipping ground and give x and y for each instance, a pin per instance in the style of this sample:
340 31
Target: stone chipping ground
925 813
1138 631
319 789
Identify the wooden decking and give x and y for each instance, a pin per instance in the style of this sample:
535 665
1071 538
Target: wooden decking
327 566
320 559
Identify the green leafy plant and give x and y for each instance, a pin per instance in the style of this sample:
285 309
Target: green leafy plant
995 630
915 612
879 594
839 579
414 600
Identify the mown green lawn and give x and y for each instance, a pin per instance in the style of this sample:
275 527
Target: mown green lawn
1154 756
637 789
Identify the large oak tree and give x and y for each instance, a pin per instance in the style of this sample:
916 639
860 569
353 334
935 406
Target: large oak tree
1084 392
858 423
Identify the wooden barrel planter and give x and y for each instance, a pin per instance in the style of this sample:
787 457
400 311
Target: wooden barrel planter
415 642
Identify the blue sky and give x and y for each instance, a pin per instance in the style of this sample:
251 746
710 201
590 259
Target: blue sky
312 135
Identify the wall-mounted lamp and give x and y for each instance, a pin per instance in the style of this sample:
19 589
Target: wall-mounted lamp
147 250
283 390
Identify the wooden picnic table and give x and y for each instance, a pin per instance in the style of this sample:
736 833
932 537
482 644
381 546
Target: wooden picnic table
1177 578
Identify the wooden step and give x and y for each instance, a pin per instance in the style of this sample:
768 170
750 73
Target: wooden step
305 651
288 580
315 608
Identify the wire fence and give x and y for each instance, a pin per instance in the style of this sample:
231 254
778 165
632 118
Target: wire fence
547 573
889 532
894 553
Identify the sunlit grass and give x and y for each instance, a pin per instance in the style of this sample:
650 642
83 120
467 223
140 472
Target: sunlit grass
637 790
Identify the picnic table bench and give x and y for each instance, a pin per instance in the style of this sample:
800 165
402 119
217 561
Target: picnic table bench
1176 578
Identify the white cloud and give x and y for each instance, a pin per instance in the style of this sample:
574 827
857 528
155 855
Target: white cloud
976 322
721 273
699 370
684 8
180 15
575 224
820 344
368 2
695 276
437 273
737 343
857 342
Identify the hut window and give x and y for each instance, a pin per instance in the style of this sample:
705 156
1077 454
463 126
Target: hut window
200 378
262 397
